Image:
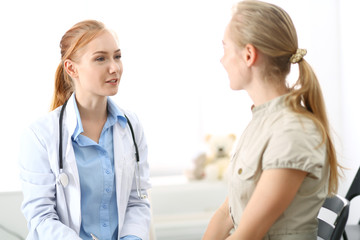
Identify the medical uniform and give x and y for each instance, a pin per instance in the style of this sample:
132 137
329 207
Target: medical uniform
276 137
55 212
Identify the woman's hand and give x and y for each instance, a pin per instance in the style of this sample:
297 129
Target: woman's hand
220 224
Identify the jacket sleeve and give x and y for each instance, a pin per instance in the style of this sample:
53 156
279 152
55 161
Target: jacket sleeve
138 215
39 190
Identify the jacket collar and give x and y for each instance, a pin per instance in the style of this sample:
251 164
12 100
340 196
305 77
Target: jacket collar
70 115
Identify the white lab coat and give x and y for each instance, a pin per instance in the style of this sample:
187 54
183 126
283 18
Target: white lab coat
54 212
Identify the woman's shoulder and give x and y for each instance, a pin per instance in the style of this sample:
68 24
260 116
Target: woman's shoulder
131 115
287 124
287 118
46 125
295 129
114 107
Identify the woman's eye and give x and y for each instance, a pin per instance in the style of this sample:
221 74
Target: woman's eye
118 56
100 59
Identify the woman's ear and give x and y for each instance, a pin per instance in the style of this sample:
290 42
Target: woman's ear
250 54
70 68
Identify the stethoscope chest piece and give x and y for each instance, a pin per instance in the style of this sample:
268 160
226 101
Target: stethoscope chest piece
63 179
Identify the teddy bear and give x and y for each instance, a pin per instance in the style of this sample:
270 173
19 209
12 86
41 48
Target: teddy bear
212 164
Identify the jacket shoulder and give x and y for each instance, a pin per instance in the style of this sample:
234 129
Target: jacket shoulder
46 126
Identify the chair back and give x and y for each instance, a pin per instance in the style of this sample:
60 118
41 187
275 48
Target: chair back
332 218
353 192
354 189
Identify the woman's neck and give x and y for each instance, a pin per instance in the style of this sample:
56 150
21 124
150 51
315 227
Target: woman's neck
262 91
92 108
93 114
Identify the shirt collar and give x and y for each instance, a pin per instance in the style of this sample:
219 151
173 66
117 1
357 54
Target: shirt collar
115 114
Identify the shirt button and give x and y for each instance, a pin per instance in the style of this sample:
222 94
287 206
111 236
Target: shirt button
107 190
240 171
104 225
104 206
107 171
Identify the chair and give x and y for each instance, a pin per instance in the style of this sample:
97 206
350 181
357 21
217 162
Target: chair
353 231
332 218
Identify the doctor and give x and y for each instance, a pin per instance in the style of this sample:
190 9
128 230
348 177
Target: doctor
92 188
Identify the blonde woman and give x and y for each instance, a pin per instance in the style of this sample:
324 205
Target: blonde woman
84 165
285 164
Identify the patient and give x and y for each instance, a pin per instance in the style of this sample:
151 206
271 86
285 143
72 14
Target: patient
284 165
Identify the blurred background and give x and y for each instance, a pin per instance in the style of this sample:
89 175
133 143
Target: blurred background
175 83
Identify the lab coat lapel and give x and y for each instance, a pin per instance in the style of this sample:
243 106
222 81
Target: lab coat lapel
119 156
70 155
123 174
72 191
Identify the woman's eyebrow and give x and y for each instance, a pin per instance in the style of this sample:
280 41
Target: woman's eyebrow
105 52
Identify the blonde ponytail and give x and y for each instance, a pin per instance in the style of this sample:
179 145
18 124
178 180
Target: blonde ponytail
306 98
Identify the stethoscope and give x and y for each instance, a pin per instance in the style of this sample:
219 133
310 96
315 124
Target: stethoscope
63 178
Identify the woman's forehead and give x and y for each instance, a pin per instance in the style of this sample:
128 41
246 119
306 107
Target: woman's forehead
103 43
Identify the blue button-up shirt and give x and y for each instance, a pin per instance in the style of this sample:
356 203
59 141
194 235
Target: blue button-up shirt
95 163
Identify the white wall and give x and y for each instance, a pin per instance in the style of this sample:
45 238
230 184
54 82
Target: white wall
171 53
350 98
172 79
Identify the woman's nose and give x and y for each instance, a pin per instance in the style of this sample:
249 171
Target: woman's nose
115 66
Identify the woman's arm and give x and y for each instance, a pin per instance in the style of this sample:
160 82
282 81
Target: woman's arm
138 216
220 224
39 190
273 194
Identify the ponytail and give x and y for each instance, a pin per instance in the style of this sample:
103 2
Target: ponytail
306 98
63 87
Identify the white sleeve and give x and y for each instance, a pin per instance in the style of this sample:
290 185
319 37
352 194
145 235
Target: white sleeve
137 218
39 190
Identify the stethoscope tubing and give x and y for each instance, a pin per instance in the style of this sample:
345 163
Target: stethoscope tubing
61 117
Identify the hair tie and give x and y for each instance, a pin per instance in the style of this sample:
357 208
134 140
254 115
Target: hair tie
298 56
